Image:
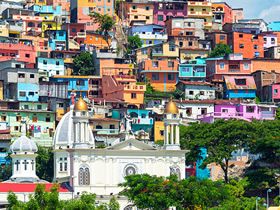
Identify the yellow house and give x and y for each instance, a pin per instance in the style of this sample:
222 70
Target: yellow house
4 29
158 130
50 23
40 2
190 54
201 10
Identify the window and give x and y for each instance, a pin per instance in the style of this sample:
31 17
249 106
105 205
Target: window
49 25
155 76
272 40
246 66
179 6
144 51
171 47
31 24
98 127
48 119
3 118
147 17
256 47
160 17
250 109
65 166
190 92
241 45
160 6
181 44
18 118
34 119
57 63
225 110
188 111
134 6
222 66
147 8
170 76
22 94
57 72
154 64
135 16
240 81
60 105
26 107
189 33
45 62
84 176
27 55
74 30
99 9
112 127
39 106
240 35
16 128
203 111
190 43
32 76
31 93
18 66
201 93
60 33
20 75
108 10
169 6
80 82
170 64
143 115
133 95
222 37
96 38
161 132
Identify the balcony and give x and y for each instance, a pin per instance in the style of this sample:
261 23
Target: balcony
157 68
199 4
157 52
81 34
135 87
143 121
8 46
208 24
16 28
200 13
94 87
107 131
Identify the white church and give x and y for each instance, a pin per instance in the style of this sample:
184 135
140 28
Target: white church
82 167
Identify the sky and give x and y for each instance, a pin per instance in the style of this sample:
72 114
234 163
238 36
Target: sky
269 10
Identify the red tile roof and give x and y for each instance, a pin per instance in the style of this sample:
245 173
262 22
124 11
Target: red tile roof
28 187
196 83
5 137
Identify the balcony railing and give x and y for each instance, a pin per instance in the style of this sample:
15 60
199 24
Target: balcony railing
10 46
81 34
107 131
135 87
200 13
143 121
236 115
156 52
205 4
165 68
94 87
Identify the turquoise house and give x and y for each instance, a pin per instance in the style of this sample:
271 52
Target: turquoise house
194 70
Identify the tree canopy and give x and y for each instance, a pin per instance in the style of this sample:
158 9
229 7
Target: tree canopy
134 42
220 50
105 25
83 64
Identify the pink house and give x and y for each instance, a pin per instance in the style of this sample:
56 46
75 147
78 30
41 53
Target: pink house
240 111
30 23
166 10
20 52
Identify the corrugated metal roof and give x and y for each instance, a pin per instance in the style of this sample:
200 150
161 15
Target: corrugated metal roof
230 82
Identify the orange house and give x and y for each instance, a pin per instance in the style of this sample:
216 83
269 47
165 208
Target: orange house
96 41
123 87
163 74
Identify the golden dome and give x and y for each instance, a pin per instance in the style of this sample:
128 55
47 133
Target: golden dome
171 108
80 105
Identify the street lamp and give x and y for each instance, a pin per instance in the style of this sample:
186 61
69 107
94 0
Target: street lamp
257 202
267 201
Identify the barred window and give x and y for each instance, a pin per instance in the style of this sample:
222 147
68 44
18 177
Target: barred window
84 176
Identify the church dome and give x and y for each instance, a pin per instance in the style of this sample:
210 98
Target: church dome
64 132
81 105
171 108
23 144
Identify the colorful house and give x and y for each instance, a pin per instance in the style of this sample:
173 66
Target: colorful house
95 41
50 66
30 23
123 88
76 84
271 93
201 9
240 87
149 34
168 10
162 74
57 39
4 28
222 13
135 11
240 111
193 71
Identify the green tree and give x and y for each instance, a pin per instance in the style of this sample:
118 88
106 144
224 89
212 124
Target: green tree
221 139
83 64
220 50
105 25
277 117
177 94
134 42
44 164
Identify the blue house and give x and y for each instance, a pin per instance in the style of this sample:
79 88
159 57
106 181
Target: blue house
149 34
193 70
55 10
242 87
78 84
57 39
27 92
50 66
274 26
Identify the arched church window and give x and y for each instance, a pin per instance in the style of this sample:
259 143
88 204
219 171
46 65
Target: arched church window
84 176
99 127
130 170
175 171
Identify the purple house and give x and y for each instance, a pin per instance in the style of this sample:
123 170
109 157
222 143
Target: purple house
240 111
269 40
166 10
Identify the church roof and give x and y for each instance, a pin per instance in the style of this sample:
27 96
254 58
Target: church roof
23 144
64 133
81 105
171 108
131 144
28 187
